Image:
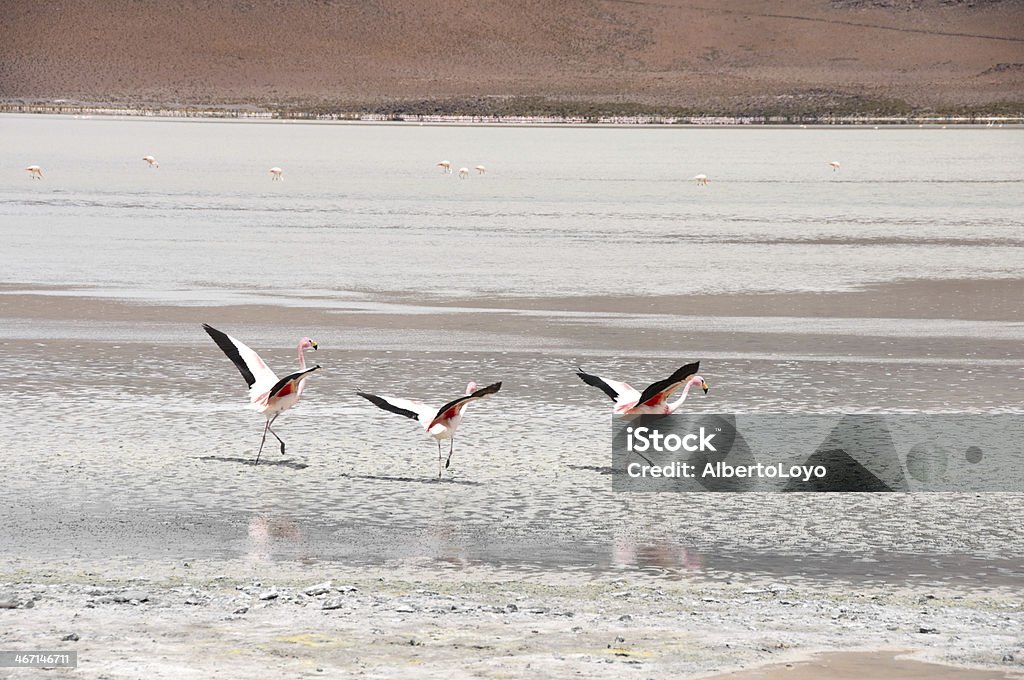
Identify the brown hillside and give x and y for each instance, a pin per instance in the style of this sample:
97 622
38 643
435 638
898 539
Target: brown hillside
474 55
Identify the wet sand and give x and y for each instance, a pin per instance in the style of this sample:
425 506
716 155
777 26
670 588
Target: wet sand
965 299
923 320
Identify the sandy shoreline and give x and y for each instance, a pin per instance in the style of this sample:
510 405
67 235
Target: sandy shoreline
932 321
272 618
965 299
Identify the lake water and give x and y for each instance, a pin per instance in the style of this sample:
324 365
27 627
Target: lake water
125 428
561 210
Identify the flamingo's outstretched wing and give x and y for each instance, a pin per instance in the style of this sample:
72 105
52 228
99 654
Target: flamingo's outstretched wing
403 407
289 383
455 406
663 389
619 392
258 376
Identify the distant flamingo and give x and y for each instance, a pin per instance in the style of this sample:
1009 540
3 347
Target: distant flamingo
702 180
834 165
35 172
438 423
463 173
446 167
151 161
480 170
654 399
267 394
277 174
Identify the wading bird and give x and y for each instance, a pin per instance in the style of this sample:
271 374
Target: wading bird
702 180
438 423
151 161
654 399
463 173
267 394
834 165
276 174
35 172
480 170
446 166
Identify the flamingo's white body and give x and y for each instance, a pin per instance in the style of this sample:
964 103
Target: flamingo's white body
834 165
480 170
446 166
151 161
654 399
702 180
276 174
437 423
35 172
267 394
463 173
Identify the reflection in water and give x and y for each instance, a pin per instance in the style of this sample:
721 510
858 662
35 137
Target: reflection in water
267 536
660 555
443 545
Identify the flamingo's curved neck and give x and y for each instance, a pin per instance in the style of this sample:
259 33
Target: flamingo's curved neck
676 404
302 367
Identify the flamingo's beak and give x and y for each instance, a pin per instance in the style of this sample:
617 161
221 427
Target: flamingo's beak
315 347
704 386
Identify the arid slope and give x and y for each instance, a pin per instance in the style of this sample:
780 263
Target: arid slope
493 55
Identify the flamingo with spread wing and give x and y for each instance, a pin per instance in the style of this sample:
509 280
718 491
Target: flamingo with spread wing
267 394
654 399
438 423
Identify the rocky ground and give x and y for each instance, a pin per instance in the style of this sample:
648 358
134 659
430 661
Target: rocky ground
131 619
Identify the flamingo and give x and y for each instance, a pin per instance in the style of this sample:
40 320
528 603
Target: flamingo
446 166
438 423
151 161
35 172
267 394
277 174
834 165
654 399
463 173
702 180
480 170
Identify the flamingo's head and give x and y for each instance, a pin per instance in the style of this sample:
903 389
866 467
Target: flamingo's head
470 388
699 382
307 343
